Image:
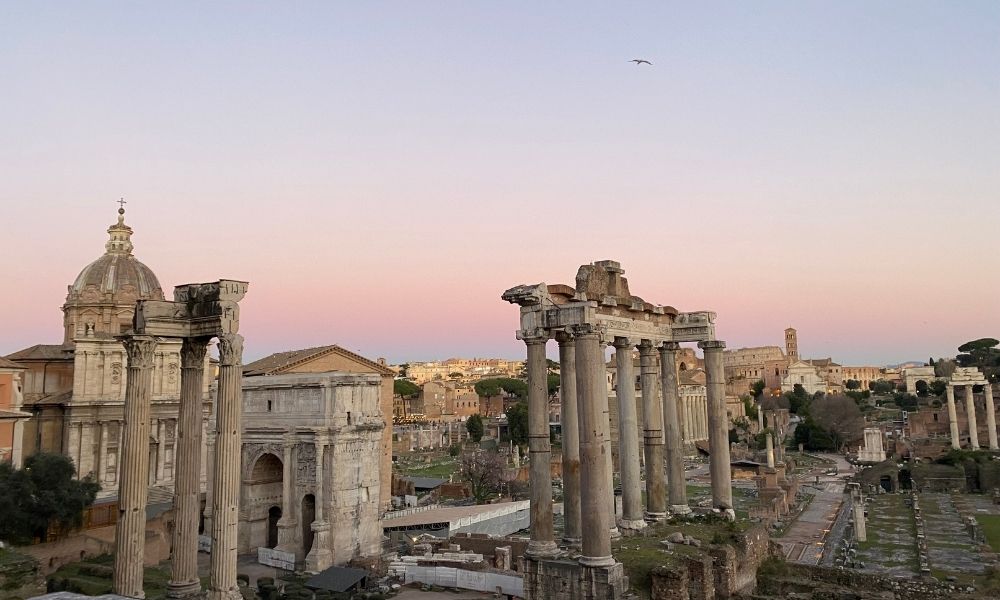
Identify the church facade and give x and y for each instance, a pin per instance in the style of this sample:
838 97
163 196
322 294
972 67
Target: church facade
75 391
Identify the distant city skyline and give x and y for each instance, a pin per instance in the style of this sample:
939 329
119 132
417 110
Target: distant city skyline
388 169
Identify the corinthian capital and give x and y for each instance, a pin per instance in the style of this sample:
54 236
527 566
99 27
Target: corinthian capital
230 349
193 352
140 349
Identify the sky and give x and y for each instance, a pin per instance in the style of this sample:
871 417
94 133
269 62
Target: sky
381 172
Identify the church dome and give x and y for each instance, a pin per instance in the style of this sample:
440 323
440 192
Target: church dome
102 298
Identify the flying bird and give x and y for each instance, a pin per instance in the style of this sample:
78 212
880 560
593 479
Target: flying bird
640 61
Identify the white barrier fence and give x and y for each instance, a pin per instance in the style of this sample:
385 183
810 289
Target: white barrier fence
481 581
276 558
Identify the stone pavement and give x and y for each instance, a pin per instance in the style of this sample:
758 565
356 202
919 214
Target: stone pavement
891 548
806 538
949 546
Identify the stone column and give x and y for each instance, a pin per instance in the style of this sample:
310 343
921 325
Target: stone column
991 417
628 437
187 471
970 409
570 437
718 427
542 542
17 445
287 523
209 480
858 506
228 458
652 419
102 458
161 451
956 442
685 412
320 557
676 481
770 452
595 481
130 531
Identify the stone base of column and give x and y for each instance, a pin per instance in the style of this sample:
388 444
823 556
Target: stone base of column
655 517
605 581
561 579
539 549
319 557
596 561
572 542
728 513
630 526
616 534
286 536
224 595
680 509
186 589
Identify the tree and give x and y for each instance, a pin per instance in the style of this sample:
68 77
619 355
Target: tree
757 388
493 386
852 384
982 354
41 495
882 387
474 425
840 417
553 382
938 387
483 471
517 423
403 369
813 437
905 401
944 368
750 408
405 388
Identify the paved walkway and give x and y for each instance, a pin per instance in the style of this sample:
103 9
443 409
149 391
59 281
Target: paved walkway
805 540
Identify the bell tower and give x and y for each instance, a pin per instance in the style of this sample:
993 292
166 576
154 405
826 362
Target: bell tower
791 345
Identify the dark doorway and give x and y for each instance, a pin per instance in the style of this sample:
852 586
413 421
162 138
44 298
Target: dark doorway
886 483
308 514
273 514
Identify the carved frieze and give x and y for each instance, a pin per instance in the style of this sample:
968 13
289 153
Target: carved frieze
305 467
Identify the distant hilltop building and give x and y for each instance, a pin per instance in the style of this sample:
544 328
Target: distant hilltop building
463 368
781 370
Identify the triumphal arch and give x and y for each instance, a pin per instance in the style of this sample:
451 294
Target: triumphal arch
598 311
199 313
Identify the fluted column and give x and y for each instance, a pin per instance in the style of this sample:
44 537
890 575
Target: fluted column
130 531
652 419
187 471
161 451
209 480
595 481
991 417
718 427
287 523
569 416
542 542
226 488
970 409
320 557
17 445
628 437
956 441
676 481
770 452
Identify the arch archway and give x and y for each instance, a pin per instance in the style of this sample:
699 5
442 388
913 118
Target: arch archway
308 515
263 489
273 516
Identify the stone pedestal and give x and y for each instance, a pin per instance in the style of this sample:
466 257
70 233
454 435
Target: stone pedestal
228 456
555 579
628 438
130 531
187 472
718 428
652 416
570 438
320 557
287 524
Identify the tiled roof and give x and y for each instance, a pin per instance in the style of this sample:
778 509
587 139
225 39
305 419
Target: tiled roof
9 364
43 352
279 361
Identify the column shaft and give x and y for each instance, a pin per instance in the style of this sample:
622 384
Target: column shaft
652 419
718 427
595 483
991 416
161 451
569 416
956 442
970 409
320 557
628 437
542 542
287 522
226 488
130 531
187 471
676 481
102 459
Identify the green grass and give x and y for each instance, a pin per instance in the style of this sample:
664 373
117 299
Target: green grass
82 577
991 529
441 468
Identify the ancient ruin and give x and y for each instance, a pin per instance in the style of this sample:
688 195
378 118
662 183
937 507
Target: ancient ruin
968 377
599 311
198 313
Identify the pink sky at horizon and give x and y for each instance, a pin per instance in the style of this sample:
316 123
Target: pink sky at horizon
381 173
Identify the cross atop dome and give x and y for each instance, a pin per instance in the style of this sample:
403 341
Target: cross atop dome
121 234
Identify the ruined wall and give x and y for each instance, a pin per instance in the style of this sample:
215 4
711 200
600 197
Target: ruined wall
486 545
818 581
